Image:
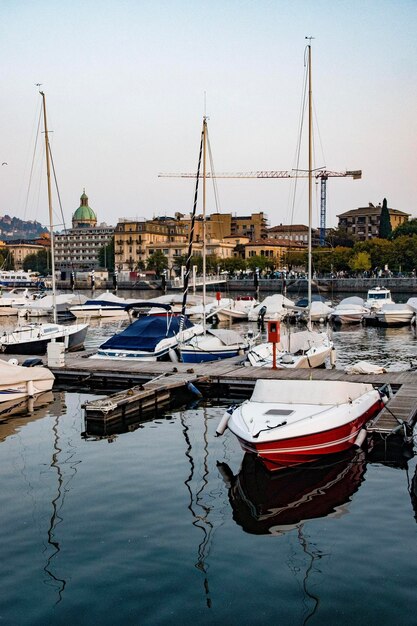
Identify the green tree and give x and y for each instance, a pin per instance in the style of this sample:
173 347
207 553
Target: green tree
385 228
6 259
233 264
260 262
380 251
404 253
408 228
158 262
106 255
296 259
360 262
37 262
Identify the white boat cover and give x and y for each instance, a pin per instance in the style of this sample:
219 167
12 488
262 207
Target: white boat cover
227 337
14 374
318 308
301 340
364 367
413 303
352 300
317 392
275 305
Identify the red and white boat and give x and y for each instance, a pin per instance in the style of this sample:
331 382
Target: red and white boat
288 422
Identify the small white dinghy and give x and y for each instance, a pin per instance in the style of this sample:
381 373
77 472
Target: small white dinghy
288 422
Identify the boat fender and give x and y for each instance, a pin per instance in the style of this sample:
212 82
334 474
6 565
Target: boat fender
13 362
224 421
194 390
173 356
333 357
360 438
30 388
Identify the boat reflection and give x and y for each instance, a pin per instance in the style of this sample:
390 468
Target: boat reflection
15 414
274 503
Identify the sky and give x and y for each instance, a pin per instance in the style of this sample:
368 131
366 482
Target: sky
127 84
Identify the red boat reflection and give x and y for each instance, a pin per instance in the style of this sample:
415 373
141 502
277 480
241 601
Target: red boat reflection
273 503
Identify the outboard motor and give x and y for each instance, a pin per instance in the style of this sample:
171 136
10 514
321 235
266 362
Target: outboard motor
261 315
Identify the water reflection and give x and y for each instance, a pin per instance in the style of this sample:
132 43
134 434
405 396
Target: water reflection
198 506
274 503
14 415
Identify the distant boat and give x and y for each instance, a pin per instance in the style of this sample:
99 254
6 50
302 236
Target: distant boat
394 314
105 305
377 297
290 422
216 344
19 278
34 338
350 310
17 382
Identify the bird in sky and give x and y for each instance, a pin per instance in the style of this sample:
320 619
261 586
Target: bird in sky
4 163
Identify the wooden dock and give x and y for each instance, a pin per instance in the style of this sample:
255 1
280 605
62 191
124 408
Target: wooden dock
156 383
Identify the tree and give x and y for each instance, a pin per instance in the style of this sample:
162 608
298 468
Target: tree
233 264
295 259
385 228
407 228
380 251
404 253
360 262
158 262
37 262
6 259
260 262
106 255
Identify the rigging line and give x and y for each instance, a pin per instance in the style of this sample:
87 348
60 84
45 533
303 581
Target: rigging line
213 174
298 147
56 184
33 161
190 241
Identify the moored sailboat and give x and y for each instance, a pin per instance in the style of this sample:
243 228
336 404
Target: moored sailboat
312 348
34 338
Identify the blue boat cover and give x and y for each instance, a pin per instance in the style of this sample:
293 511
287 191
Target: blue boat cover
105 303
145 333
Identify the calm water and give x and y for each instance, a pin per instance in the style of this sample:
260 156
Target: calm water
167 524
147 528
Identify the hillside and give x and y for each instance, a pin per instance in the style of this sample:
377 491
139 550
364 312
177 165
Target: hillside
15 228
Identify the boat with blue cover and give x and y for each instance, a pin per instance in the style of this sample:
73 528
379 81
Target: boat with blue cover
150 337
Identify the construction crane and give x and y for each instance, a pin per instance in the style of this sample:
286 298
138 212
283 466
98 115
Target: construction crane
321 174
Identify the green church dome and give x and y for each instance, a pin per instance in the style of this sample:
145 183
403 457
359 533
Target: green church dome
84 215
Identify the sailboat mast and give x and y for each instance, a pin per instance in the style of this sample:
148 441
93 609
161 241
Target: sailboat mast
310 177
204 216
51 227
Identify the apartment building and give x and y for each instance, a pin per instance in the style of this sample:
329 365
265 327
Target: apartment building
78 248
363 223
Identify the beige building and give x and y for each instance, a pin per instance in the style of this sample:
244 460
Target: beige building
136 241
363 223
272 249
221 225
294 232
19 251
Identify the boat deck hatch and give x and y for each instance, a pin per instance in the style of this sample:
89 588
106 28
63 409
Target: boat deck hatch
279 412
